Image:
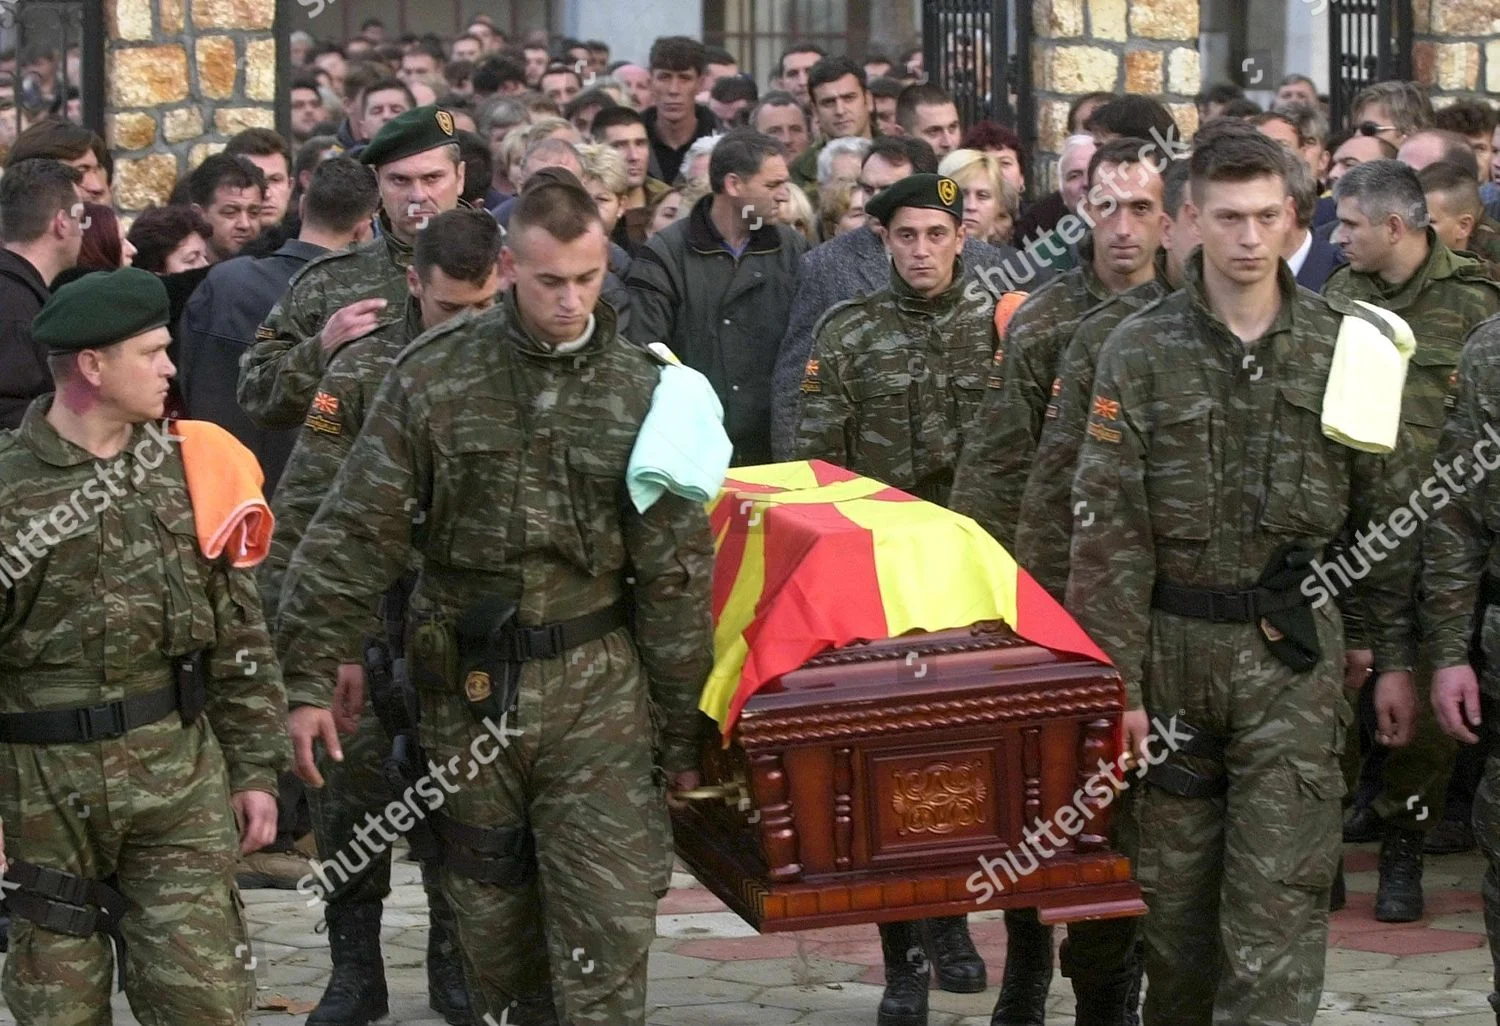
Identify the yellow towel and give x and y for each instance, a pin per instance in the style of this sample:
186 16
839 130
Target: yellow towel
1362 402
223 482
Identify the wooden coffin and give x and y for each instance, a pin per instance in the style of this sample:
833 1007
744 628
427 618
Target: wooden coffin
866 785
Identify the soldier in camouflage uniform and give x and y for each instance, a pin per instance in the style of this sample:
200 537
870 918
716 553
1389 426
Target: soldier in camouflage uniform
1460 565
894 380
455 269
341 296
992 473
496 449
1204 487
1397 262
117 636
1119 254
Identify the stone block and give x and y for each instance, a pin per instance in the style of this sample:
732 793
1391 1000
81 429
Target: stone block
1079 69
1424 63
198 154
1053 127
170 14
147 76
1107 20
1164 19
260 70
1184 73
234 14
1057 19
131 131
1421 17
142 182
1143 70
233 120
1492 67
1457 67
218 66
182 124
1186 116
129 20
1465 18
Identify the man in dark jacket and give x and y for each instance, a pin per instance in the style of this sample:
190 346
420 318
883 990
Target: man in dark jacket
40 235
220 321
717 286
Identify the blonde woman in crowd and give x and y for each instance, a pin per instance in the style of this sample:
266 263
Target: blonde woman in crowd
842 209
991 203
796 211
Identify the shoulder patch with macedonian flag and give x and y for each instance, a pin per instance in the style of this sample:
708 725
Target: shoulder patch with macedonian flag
323 416
1106 410
810 383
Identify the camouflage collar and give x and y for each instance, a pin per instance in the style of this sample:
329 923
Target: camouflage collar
605 327
1441 263
52 448
912 301
1091 279
1286 283
401 252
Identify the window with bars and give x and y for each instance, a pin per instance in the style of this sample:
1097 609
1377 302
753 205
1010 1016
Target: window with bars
757 31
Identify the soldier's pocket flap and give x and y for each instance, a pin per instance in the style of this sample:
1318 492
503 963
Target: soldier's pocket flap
976 382
461 436
1303 398
863 389
599 461
178 521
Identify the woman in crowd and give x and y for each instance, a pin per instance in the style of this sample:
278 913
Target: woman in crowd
105 247
796 211
170 240
841 207
664 211
1004 145
990 201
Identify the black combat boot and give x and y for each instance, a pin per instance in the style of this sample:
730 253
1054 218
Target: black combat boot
1028 971
1109 998
1362 824
1399 898
951 952
356 993
447 993
907 976
1338 896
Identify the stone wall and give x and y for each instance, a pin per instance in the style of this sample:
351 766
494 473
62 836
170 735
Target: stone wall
182 77
1455 50
1132 46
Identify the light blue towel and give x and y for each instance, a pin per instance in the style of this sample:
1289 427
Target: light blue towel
682 447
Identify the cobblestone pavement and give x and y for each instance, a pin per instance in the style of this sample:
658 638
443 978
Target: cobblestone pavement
710 969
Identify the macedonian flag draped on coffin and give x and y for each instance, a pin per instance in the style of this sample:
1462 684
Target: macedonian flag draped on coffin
810 556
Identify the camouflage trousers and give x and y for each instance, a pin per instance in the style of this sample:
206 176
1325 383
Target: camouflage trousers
575 762
1487 833
353 790
151 810
1237 886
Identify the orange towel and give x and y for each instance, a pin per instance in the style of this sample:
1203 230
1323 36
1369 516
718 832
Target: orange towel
1005 308
223 482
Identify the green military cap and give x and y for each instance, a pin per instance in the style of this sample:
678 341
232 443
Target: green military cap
414 131
101 309
931 192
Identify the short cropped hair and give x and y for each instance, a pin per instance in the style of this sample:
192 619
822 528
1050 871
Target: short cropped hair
741 152
223 171
613 117
905 149
1311 125
677 53
1456 148
923 94
1460 187
779 98
1380 188
1140 117
31 194
555 201
463 244
342 193
259 142
1174 186
1466 117
831 69
1229 150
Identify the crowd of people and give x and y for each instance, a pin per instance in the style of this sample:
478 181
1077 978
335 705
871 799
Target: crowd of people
434 315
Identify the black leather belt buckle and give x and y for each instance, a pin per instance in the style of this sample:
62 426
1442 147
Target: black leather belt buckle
100 722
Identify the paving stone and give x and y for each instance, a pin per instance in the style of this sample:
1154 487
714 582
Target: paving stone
701 991
1452 963
667 965
704 924
780 972
834 995
736 1014
1428 1005
1385 981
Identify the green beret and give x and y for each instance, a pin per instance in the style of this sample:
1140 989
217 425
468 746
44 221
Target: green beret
414 131
101 309
930 192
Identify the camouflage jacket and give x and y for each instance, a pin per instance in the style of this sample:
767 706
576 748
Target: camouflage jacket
1204 454
894 381
280 373
334 418
1484 242
1458 540
1044 531
104 585
502 463
992 471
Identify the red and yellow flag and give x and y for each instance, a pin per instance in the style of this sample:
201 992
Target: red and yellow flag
812 557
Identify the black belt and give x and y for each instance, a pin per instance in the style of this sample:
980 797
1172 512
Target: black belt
1218 605
68 904
88 723
498 856
522 644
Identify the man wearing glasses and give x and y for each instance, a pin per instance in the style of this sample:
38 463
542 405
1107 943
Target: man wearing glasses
41 221
1391 111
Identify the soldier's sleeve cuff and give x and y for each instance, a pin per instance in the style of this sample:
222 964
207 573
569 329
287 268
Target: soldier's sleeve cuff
1446 648
1394 655
243 777
305 691
678 755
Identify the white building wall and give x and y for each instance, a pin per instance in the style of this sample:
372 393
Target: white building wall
629 26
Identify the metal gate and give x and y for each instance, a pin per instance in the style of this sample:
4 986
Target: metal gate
980 51
1368 41
757 31
68 35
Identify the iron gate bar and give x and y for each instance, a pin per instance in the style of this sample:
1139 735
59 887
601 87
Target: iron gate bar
1369 41
78 23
